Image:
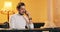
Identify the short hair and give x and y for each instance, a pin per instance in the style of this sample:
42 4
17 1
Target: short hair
19 5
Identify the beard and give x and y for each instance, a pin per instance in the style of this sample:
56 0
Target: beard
21 13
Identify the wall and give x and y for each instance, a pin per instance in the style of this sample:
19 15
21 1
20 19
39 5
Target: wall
56 9
37 9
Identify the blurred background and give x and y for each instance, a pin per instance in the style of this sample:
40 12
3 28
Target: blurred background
42 11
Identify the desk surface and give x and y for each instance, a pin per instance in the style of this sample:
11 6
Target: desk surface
42 29
31 30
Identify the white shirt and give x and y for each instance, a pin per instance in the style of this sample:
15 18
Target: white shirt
18 21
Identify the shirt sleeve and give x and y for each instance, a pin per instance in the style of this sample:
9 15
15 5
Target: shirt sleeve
11 22
30 26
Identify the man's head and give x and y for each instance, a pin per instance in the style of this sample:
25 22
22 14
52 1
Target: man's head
21 8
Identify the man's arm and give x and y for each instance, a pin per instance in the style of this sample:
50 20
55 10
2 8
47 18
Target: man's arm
31 26
29 23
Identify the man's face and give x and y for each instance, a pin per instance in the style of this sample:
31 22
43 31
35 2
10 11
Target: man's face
22 10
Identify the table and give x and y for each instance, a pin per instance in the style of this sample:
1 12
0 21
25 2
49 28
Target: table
31 30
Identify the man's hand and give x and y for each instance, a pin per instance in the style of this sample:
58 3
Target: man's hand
27 13
29 17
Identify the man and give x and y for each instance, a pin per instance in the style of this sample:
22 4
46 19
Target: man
19 21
